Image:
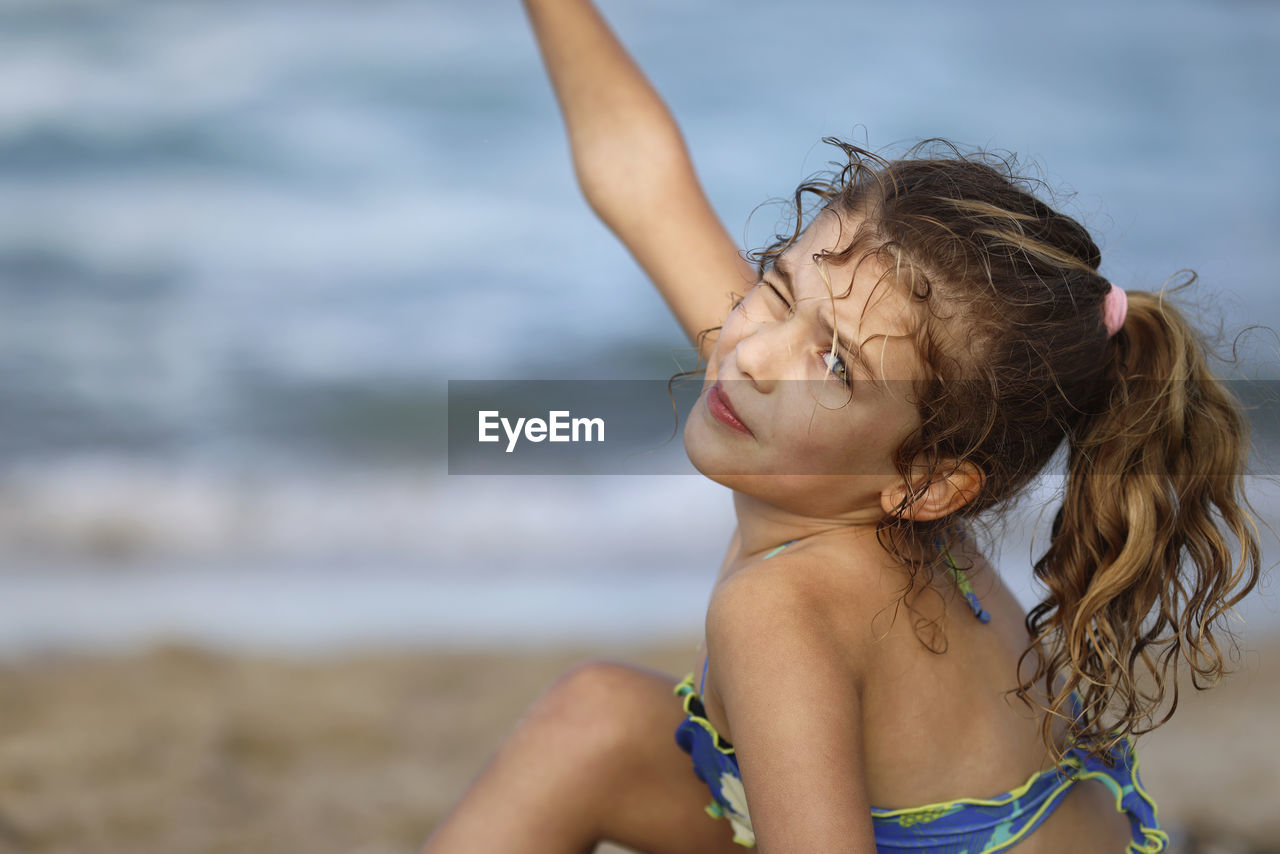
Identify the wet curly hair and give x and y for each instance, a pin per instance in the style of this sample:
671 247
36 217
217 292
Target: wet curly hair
1139 571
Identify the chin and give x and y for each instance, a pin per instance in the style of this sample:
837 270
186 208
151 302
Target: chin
721 462
695 442
709 453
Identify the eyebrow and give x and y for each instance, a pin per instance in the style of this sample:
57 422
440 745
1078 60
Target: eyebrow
785 275
855 355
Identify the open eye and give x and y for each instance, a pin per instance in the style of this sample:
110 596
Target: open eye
836 366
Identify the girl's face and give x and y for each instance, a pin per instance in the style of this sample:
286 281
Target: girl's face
786 406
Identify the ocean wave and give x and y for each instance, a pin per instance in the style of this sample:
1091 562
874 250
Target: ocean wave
114 509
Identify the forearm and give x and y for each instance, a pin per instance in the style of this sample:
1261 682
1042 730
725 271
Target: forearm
627 148
634 168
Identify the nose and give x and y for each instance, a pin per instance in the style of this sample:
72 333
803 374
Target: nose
761 351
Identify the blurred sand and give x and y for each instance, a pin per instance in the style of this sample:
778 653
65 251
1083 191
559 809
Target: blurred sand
182 750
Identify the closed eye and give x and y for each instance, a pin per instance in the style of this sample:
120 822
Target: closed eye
781 297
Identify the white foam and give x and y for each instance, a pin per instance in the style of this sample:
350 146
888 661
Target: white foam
103 507
255 609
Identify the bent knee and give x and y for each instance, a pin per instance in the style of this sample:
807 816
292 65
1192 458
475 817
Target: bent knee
606 704
591 689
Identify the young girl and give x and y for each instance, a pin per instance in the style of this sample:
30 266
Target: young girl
894 369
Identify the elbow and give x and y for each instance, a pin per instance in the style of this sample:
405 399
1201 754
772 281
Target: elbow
620 179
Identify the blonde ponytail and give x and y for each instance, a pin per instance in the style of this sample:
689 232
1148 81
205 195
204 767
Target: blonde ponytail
1139 573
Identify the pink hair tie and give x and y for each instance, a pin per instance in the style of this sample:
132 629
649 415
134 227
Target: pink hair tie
1114 308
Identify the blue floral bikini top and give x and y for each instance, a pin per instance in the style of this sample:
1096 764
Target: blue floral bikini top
962 826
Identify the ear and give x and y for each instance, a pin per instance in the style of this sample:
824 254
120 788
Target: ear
944 495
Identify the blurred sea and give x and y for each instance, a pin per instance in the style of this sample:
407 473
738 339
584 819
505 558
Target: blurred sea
244 246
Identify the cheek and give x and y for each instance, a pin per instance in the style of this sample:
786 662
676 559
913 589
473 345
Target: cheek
849 444
822 437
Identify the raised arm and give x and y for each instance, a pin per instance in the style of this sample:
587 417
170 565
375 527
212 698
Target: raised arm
633 166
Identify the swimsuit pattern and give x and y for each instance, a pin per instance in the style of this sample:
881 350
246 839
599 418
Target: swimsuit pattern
962 826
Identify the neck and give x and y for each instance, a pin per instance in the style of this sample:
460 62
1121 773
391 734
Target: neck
763 525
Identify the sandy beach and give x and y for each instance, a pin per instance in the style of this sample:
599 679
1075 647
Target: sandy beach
178 749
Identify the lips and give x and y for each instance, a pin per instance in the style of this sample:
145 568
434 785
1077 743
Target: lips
720 408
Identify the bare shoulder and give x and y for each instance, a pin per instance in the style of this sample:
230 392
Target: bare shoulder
791 692
806 598
836 580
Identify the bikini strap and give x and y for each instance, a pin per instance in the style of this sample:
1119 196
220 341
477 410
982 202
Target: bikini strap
778 549
962 581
